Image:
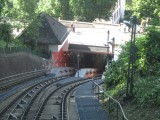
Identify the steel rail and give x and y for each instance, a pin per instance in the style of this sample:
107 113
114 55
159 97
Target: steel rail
31 102
12 80
55 79
16 75
64 99
47 98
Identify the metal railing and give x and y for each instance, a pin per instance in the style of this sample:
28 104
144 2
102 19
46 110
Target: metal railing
114 107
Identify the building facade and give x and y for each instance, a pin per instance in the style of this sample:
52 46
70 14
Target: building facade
119 10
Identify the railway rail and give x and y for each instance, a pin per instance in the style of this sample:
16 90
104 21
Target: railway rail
31 104
54 105
31 91
10 81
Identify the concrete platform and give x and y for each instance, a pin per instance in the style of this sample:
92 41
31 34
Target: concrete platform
88 106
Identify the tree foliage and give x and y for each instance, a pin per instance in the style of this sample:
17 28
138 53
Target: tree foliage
146 68
64 9
146 8
128 4
46 6
5 33
22 13
89 10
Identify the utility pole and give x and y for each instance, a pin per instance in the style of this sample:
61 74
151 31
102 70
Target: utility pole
132 58
78 63
108 32
113 47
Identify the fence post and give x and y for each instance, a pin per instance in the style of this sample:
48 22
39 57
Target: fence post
98 93
109 105
122 117
10 50
92 84
4 51
117 111
21 49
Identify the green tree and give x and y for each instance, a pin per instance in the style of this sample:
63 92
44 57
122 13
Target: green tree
28 7
5 33
64 9
146 8
129 4
46 6
89 10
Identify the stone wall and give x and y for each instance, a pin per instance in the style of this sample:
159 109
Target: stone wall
11 64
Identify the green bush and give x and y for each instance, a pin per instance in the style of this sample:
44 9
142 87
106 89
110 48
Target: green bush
146 69
147 90
2 43
116 74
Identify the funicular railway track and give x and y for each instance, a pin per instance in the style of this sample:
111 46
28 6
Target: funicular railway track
27 96
33 103
55 105
6 83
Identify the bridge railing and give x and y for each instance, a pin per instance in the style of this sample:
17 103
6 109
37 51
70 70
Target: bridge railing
114 107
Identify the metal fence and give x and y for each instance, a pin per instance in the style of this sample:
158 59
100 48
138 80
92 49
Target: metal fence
11 50
115 109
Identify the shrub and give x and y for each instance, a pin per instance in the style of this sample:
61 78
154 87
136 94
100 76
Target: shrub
147 90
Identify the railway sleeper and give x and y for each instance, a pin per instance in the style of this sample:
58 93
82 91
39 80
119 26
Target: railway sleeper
29 95
58 102
64 117
59 97
68 88
36 87
41 85
23 101
55 118
12 116
46 82
20 105
32 91
64 111
65 91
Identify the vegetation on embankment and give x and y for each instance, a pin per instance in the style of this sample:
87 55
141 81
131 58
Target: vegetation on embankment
145 104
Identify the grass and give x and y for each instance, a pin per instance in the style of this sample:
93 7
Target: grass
136 112
133 110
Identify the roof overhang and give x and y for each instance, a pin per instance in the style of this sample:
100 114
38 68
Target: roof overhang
88 49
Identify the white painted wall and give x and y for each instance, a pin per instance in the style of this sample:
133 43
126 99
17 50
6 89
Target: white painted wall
118 11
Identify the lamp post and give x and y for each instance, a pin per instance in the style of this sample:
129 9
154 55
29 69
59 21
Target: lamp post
108 32
78 63
132 54
113 46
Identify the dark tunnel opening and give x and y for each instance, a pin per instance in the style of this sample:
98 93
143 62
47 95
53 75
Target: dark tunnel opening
89 60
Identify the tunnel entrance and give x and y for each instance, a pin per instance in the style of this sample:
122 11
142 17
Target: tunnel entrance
88 60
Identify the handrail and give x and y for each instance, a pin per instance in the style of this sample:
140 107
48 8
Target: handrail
119 106
110 97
